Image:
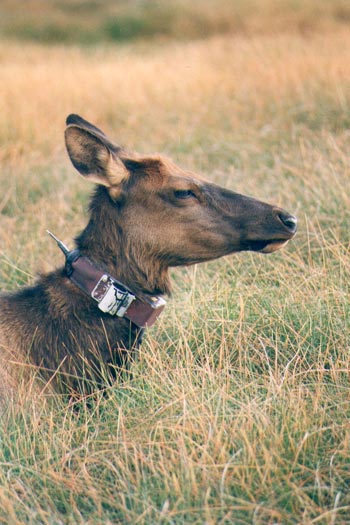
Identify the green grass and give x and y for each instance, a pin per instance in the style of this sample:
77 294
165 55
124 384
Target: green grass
238 408
91 21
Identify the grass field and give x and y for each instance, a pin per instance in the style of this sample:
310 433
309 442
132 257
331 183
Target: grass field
238 411
88 22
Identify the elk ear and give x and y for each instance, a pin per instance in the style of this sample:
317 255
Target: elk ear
93 156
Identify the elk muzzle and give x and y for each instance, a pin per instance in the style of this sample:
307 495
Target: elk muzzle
286 223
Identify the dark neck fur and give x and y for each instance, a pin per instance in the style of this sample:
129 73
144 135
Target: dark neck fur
105 243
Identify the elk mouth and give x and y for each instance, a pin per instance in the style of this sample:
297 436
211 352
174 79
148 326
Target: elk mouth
266 246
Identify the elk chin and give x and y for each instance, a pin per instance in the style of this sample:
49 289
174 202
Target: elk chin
265 246
273 246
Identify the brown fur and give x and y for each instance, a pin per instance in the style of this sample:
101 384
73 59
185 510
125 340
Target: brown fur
141 223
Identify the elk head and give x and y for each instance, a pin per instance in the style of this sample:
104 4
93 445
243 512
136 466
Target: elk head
169 214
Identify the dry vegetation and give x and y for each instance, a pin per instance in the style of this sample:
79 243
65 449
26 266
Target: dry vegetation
238 408
92 21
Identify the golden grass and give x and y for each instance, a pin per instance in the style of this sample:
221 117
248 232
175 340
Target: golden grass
122 85
238 410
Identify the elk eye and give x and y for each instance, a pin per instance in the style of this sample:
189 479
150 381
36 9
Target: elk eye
184 194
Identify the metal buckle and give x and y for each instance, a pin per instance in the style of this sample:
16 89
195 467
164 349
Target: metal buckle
110 298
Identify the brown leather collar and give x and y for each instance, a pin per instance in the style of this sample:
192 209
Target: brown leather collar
112 296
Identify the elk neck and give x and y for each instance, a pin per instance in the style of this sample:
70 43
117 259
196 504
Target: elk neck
106 243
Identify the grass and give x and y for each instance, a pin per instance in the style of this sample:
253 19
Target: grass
238 408
91 21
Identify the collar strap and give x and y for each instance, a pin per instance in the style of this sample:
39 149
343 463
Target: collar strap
112 296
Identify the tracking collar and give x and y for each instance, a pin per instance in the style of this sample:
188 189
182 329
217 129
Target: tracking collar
112 296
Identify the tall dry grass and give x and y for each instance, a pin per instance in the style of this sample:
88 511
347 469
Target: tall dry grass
238 408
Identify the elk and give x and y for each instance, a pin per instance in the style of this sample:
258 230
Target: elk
146 215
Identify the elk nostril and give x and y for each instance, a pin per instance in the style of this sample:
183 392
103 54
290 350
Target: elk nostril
288 220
